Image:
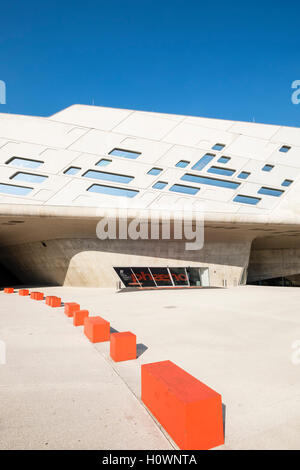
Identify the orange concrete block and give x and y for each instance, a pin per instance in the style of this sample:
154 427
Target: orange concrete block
70 308
55 301
187 409
37 295
23 292
8 290
122 346
79 316
96 329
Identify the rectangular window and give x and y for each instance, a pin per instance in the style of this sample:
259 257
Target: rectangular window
159 185
182 163
28 177
103 162
112 191
14 190
270 191
73 170
221 171
161 277
223 159
210 181
154 171
284 149
287 183
267 167
203 161
124 153
243 175
180 188
101 175
218 147
246 199
24 162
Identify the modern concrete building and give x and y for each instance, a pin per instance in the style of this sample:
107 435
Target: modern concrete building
60 175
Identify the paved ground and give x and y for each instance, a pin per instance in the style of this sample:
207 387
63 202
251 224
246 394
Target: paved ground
58 391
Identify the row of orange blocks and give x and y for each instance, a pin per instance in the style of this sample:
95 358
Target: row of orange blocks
189 410
96 329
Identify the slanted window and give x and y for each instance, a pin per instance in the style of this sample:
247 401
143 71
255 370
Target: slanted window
246 199
220 171
24 162
103 162
210 181
182 163
284 149
218 146
267 167
29 177
244 175
154 171
124 153
223 159
101 175
112 191
159 185
203 161
14 190
287 183
270 191
73 170
180 188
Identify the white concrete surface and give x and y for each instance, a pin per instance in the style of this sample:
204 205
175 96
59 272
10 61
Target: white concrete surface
59 391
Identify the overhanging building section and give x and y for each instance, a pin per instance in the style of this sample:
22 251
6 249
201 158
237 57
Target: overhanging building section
60 175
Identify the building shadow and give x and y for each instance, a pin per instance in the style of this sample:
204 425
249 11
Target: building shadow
140 349
224 417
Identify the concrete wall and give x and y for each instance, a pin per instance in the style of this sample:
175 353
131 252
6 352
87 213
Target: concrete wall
267 264
89 262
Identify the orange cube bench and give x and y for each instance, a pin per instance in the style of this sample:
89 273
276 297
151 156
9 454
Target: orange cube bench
122 346
188 410
55 301
8 290
96 329
23 292
37 295
79 316
70 308
48 299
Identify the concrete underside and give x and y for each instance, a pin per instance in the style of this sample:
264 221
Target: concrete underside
60 392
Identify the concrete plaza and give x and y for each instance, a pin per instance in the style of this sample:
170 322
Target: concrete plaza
58 391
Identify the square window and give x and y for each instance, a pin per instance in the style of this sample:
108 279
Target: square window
218 147
243 175
224 159
73 170
267 167
154 171
284 149
159 185
182 163
287 183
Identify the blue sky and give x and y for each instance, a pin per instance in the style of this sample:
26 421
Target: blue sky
223 59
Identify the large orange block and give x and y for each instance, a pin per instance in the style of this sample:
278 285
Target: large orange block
23 292
70 308
96 329
8 290
55 301
123 346
79 316
188 410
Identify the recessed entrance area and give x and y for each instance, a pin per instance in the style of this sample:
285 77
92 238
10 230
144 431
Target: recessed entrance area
163 276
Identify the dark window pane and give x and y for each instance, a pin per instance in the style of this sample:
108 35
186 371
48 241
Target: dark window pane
127 277
161 276
179 276
144 277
